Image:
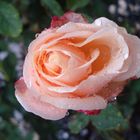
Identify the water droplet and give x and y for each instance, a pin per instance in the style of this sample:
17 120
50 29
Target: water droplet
30 83
36 35
115 98
125 56
112 99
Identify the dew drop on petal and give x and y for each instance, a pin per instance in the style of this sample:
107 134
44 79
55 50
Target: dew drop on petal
112 99
125 56
30 84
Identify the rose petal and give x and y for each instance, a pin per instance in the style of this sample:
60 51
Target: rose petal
46 36
134 66
67 17
74 27
34 105
58 21
89 103
74 17
102 21
112 90
119 51
133 62
94 83
71 76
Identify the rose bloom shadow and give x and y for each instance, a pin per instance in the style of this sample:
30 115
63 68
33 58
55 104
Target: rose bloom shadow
76 65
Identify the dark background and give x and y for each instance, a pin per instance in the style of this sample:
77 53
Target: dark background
20 20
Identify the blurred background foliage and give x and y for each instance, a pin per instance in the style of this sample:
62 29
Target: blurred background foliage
20 20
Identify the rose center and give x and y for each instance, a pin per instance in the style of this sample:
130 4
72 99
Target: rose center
56 62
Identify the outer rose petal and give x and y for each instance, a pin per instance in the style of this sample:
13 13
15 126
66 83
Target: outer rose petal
134 66
87 103
67 17
74 17
74 27
102 21
133 42
112 90
34 105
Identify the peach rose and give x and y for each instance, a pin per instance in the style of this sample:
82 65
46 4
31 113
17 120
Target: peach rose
77 65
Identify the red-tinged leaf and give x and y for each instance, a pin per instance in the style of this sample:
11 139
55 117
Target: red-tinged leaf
90 112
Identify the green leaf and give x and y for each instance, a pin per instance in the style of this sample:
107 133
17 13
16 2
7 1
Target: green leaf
10 24
78 122
75 4
130 96
110 118
8 65
54 6
4 109
111 135
135 86
126 110
2 136
99 8
128 26
3 45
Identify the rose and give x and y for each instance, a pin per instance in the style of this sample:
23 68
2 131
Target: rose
77 65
